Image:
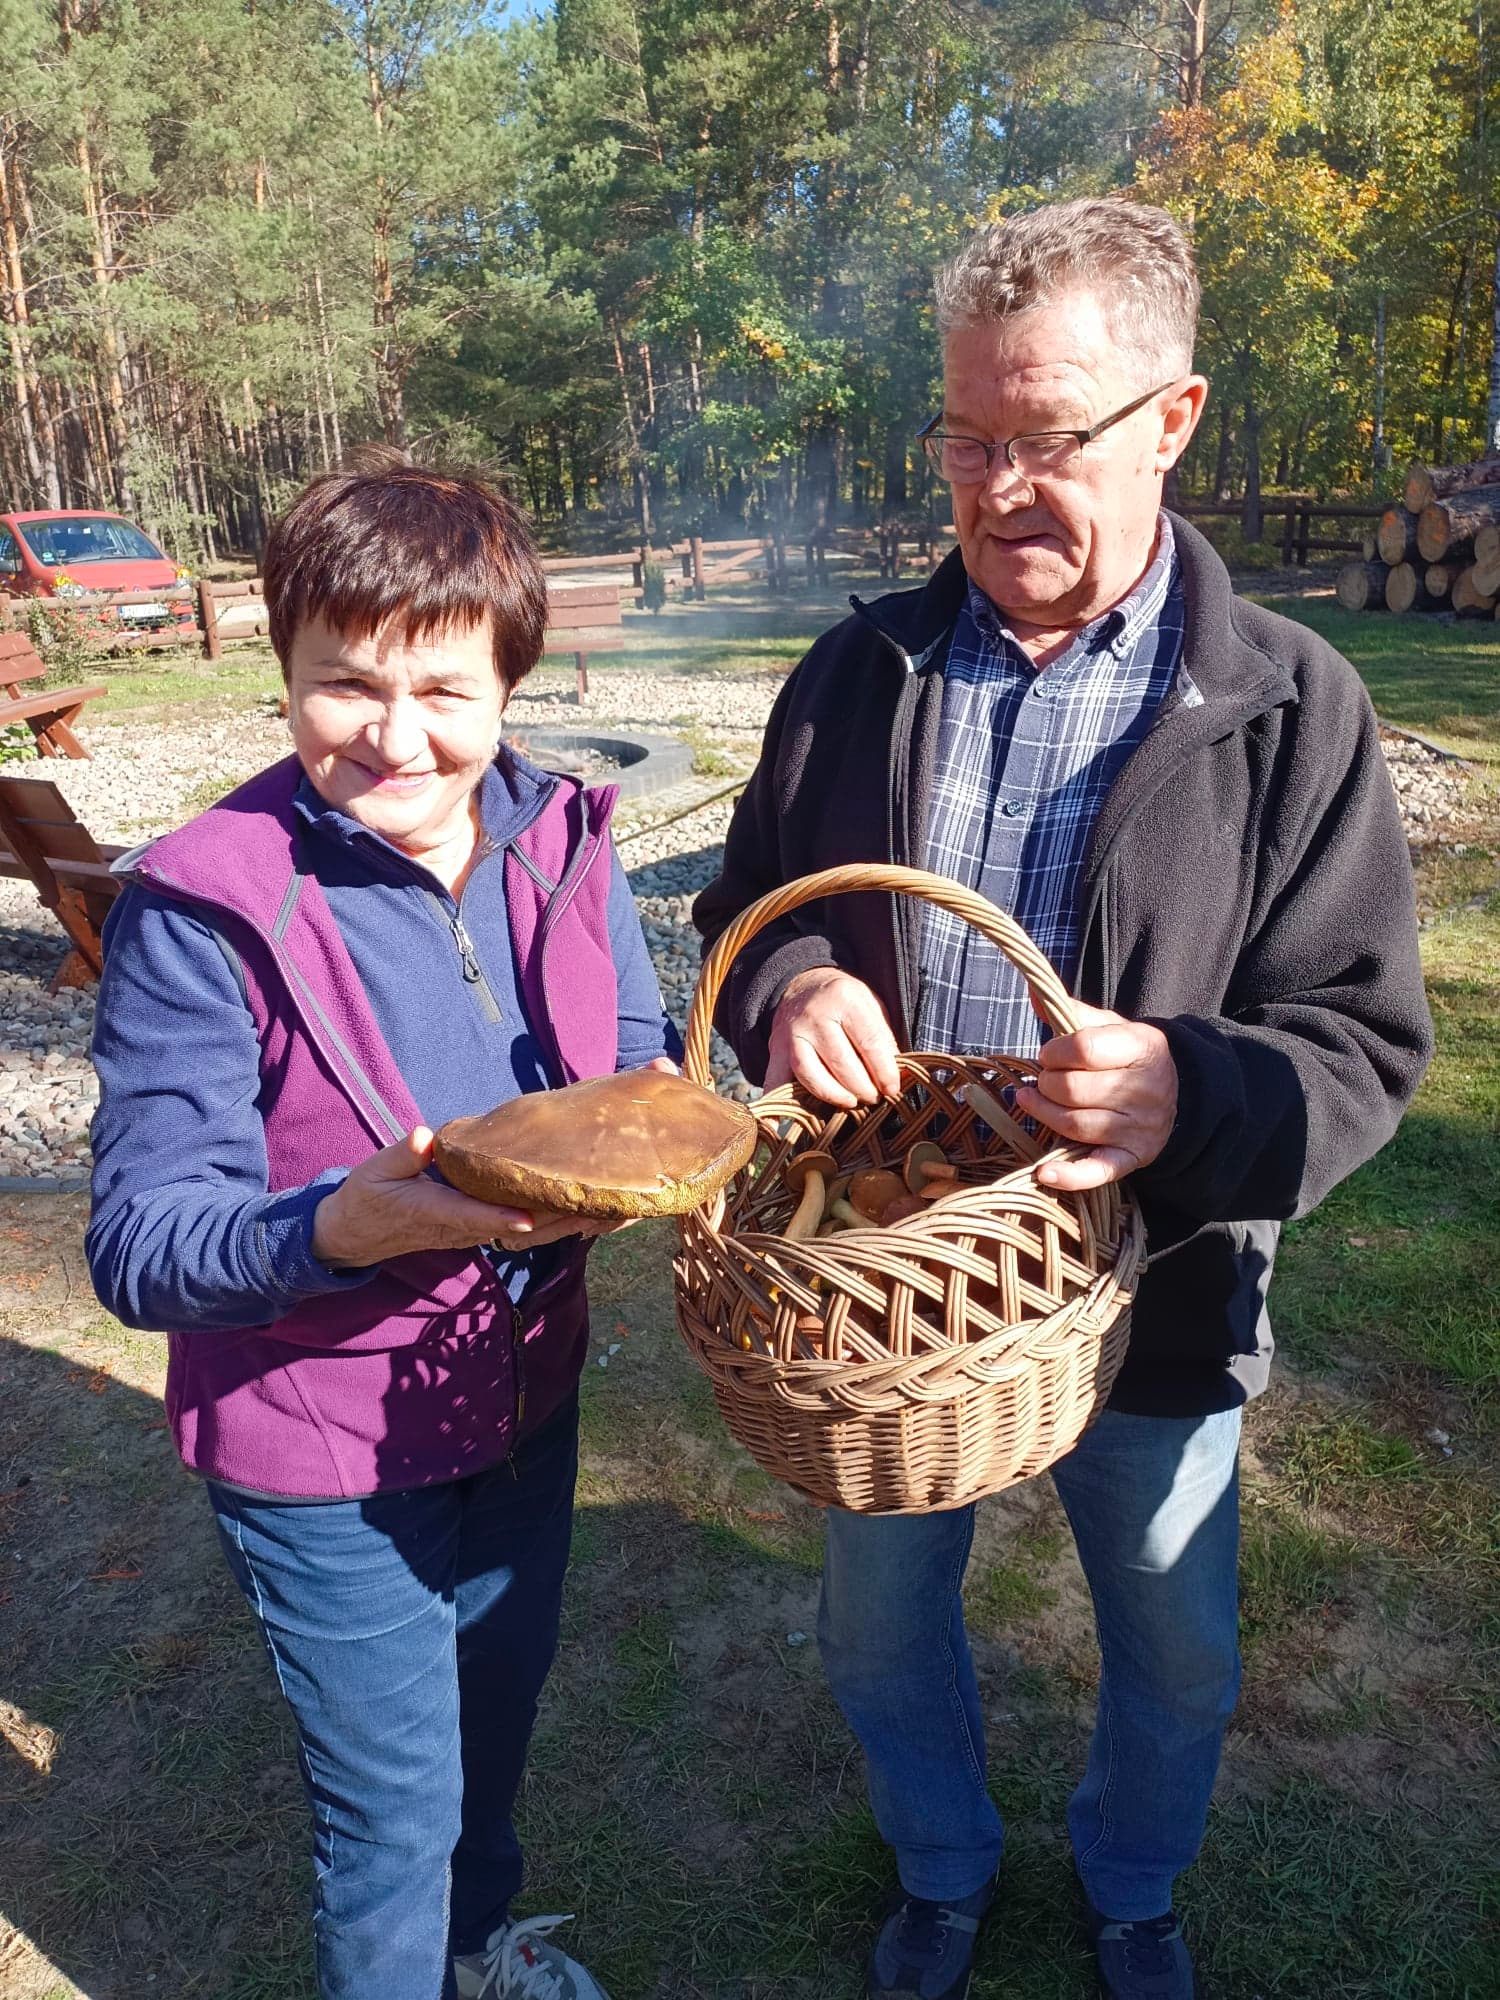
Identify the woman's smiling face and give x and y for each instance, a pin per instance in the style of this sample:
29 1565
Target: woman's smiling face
394 734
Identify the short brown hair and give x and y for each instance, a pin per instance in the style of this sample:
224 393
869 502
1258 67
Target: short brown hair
1134 259
386 539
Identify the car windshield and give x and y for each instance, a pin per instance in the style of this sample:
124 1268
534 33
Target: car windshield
86 538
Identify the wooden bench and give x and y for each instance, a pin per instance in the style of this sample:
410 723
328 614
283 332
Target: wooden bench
51 712
582 619
41 841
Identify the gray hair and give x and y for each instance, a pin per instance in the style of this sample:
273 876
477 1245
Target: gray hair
1135 260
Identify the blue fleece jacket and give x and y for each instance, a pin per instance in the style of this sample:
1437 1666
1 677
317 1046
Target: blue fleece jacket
184 1234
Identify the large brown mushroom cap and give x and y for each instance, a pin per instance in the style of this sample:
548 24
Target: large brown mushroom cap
643 1143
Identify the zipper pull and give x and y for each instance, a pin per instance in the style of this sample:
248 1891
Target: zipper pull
466 951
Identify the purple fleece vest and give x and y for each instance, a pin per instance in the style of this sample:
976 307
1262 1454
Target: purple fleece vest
427 1372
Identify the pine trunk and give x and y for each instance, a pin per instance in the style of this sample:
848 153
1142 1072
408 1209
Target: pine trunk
117 427
1439 578
39 437
1426 483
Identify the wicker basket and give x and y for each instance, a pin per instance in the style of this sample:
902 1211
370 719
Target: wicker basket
921 1365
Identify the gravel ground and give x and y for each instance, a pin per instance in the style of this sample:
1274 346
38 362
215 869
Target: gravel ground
143 779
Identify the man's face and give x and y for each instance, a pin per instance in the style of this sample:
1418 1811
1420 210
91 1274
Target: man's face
1065 549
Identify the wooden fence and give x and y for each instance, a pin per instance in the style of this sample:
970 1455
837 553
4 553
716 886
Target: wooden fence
203 629
1297 513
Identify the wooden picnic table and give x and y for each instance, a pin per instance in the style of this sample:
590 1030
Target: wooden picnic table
42 841
50 712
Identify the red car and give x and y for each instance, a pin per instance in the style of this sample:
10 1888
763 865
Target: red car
61 553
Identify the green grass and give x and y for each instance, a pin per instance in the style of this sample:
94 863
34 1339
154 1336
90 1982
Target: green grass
1441 680
1289 1571
1342 1457
646 1688
140 681
1304 1893
1402 1260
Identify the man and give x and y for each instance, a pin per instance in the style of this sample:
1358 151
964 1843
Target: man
1183 799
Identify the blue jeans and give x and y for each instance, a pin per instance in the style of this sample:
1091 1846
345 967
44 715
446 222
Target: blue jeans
1154 1507
411 1634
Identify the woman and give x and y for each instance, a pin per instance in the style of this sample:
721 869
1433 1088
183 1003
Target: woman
374 1375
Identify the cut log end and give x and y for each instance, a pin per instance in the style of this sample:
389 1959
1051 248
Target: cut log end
1361 586
1445 527
1406 590
1396 537
1469 601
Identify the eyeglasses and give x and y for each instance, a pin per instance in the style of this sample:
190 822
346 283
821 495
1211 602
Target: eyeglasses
967 461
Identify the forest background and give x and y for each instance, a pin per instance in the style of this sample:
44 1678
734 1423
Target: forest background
666 263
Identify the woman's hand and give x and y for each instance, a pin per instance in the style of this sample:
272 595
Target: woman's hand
389 1207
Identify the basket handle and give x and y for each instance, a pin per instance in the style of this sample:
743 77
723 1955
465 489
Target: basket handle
1048 994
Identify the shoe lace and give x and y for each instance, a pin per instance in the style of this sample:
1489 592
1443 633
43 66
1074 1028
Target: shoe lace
512 1975
923 1936
1148 1953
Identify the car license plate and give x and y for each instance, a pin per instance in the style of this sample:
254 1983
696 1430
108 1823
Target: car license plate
139 613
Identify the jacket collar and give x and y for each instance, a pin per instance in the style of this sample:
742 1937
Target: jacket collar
1225 660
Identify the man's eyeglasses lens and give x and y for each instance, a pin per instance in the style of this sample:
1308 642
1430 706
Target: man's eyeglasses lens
966 462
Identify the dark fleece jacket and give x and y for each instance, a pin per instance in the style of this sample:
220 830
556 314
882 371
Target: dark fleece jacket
1247 888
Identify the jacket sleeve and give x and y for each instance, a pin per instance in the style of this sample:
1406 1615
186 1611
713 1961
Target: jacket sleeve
184 1234
754 864
1326 1031
646 1030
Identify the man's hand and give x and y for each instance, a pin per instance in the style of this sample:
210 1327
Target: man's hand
830 1034
1112 1086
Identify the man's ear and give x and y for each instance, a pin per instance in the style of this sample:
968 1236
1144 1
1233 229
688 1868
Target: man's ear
1179 420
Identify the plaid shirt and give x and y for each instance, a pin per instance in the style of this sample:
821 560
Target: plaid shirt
1024 761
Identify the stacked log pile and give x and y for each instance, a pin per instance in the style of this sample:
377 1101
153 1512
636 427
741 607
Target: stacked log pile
1437 548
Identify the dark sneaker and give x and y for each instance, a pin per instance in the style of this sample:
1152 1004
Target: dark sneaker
925 1951
1141 1961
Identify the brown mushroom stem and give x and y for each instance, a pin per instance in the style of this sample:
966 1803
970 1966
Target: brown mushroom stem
989 1107
808 1180
843 1211
923 1160
809 1212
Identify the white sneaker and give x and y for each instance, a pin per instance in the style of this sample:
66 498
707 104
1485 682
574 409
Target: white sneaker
516 1965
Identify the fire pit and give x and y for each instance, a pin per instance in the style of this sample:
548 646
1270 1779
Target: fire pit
639 765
